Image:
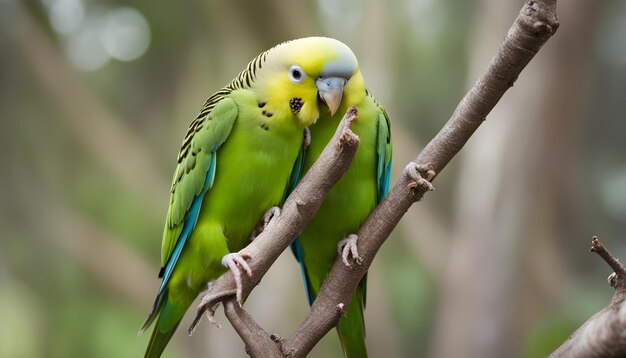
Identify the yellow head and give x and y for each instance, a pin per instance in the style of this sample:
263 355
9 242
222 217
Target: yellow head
310 75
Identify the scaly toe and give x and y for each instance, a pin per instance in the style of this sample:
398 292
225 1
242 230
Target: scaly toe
270 215
348 247
210 314
307 137
235 262
418 181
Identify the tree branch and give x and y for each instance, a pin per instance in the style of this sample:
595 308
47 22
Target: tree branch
535 24
618 268
258 342
604 334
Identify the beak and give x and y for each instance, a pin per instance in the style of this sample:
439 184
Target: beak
330 91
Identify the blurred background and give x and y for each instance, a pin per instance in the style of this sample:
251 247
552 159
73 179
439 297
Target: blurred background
95 98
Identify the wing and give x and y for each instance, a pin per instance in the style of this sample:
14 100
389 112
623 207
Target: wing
383 151
383 169
193 177
383 173
296 173
295 246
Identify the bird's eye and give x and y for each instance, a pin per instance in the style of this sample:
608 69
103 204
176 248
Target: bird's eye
296 74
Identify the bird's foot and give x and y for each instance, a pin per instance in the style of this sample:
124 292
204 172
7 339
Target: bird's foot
210 312
209 303
421 176
347 247
235 262
347 135
269 215
307 137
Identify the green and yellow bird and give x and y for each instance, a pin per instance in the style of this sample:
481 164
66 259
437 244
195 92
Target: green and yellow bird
351 200
238 159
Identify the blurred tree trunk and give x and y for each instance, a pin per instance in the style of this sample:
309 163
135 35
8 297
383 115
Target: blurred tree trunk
517 164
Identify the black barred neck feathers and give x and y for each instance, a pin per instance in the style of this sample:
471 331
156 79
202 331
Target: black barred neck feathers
318 53
268 76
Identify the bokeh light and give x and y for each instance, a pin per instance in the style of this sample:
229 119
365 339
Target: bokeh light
125 34
66 16
84 47
94 34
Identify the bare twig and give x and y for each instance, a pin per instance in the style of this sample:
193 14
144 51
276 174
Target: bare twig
535 24
604 334
618 268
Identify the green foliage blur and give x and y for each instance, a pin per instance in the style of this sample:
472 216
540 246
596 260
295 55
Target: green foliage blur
95 98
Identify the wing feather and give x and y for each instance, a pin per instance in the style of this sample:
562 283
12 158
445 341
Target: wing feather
383 150
193 177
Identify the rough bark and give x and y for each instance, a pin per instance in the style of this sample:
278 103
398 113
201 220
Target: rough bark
535 24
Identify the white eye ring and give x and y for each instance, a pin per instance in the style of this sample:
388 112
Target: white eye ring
296 74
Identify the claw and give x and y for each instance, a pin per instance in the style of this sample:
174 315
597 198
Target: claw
307 137
209 303
210 307
269 215
347 136
414 171
235 262
347 247
427 171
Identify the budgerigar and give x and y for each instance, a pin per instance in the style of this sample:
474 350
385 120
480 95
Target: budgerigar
235 163
350 201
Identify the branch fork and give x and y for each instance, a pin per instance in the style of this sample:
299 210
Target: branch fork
617 279
535 24
276 236
604 334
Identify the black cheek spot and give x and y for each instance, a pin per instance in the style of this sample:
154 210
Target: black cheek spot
261 104
296 104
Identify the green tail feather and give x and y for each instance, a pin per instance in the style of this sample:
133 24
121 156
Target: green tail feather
169 317
158 342
351 329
